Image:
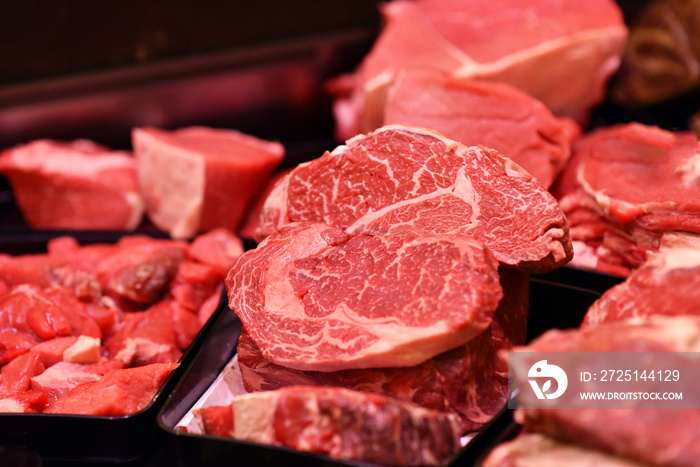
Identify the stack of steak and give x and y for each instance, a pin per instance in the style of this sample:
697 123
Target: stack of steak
637 315
630 190
389 273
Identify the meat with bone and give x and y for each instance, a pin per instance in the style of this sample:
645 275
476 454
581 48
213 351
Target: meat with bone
662 437
469 381
492 114
196 179
560 52
313 297
344 424
645 292
73 185
629 190
409 181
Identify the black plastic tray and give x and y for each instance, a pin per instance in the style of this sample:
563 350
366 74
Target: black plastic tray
132 439
552 305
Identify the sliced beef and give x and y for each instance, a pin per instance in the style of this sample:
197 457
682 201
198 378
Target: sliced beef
408 181
76 185
492 114
343 424
535 449
315 298
667 284
629 190
663 437
560 52
196 179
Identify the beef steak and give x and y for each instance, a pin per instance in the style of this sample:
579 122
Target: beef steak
409 181
316 298
579 44
492 114
646 291
628 190
650 436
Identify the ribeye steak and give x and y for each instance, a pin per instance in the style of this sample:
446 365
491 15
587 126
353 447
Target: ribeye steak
410 181
316 298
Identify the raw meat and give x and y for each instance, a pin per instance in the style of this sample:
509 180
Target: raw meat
403 180
663 437
196 179
139 273
469 381
560 52
119 392
315 298
630 189
218 248
76 185
344 424
492 114
646 291
532 449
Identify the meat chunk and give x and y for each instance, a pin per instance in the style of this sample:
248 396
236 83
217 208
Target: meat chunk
196 179
315 298
579 44
76 185
491 114
344 424
409 181
119 392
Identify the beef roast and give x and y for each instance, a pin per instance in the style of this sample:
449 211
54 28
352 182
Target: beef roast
403 180
316 298
560 52
629 189
73 185
492 114
196 179
646 291
344 424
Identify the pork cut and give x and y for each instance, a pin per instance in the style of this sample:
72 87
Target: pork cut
560 52
492 114
76 185
196 179
343 424
316 298
663 437
629 190
646 291
410 181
